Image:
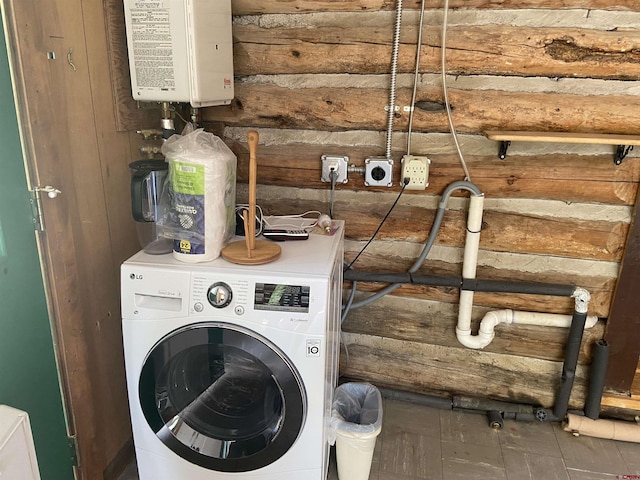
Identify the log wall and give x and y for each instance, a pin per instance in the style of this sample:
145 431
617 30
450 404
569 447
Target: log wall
312 78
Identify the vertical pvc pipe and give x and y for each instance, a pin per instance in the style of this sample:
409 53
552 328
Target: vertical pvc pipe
470 261
596 384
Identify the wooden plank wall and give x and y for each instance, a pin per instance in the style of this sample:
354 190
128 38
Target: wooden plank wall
312 78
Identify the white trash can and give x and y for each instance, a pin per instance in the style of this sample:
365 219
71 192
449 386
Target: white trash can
356 422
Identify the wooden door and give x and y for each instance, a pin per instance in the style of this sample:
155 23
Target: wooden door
28 367
59 59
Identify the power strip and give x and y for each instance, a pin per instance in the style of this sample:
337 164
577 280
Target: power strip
416 169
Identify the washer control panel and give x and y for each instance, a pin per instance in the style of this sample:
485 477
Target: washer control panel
240 294
281 298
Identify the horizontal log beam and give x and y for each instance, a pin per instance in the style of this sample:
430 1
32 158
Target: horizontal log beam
425 368
251 7
471 50
337 109
501 232
568 178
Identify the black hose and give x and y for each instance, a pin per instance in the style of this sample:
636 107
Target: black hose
436 281
596 385
470 403
354 275
533 288
571 353
497 286
513 411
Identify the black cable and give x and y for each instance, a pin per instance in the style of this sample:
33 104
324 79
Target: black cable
404 185
333 175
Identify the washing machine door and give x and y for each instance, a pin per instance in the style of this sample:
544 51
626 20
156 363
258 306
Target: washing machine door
222 397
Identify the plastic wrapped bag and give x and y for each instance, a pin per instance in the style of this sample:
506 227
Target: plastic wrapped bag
197 206
356 412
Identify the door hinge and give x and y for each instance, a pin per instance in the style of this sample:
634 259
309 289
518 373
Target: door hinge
73 450
36 204
36 211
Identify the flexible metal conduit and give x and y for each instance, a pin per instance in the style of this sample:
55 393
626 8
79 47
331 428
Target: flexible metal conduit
394 76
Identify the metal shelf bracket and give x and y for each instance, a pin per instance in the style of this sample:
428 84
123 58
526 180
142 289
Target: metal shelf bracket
621 152
504 146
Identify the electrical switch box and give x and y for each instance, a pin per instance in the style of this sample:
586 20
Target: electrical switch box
180 51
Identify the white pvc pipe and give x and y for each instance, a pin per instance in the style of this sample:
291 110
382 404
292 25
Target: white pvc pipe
469 263
486 333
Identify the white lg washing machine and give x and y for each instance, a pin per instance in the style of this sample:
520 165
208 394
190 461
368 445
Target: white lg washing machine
231 368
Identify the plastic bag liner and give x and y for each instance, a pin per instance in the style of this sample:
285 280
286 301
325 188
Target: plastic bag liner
197 205
356 413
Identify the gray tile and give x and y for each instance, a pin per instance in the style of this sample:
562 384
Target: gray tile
467 428
529 437
471 462
410 454
395 476
589 454
520 465
411 417
582 475
631 454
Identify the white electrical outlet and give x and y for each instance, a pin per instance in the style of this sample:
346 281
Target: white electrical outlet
416 169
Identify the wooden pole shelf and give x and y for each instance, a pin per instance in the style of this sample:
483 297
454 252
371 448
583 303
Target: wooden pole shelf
624 143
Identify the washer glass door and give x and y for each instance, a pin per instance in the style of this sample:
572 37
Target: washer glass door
222 397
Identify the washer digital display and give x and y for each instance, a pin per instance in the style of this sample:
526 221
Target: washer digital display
284 298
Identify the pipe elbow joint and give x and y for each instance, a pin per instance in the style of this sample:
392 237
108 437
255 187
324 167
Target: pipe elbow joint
582 298
474 342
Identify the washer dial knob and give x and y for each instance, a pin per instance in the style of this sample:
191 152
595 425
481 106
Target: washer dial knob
219 295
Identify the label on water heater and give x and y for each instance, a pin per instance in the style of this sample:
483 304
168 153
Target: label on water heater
153 57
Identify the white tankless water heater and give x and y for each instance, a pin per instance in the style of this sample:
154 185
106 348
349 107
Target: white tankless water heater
180 51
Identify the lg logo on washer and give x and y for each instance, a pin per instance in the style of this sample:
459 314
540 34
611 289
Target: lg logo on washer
133 276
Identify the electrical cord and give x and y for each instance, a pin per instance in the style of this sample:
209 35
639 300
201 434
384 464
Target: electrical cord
333 175
259 215
297 226
445 90
404 185
415 79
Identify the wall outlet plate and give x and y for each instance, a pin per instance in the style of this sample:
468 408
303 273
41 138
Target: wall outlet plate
416 169
378 172
337 163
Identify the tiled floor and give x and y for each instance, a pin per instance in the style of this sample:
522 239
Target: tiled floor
419 443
